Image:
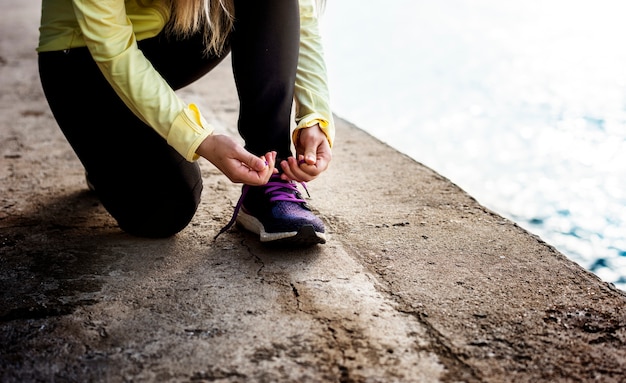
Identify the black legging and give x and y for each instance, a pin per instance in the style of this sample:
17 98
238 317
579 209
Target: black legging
145 185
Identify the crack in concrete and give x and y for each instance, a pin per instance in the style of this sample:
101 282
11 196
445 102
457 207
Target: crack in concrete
296 295
438 343
257 259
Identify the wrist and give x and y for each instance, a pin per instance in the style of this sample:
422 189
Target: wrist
207 147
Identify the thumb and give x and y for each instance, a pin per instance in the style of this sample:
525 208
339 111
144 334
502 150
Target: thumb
310 155
253 162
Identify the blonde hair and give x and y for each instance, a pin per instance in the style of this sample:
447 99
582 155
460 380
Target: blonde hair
215 18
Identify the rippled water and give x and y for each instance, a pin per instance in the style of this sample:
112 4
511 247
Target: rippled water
521 103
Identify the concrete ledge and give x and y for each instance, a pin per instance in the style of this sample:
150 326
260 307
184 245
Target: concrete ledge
418 283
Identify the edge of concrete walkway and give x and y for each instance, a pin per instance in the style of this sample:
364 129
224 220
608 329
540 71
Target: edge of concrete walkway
418 283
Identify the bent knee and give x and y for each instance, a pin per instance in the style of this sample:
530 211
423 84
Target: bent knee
159 222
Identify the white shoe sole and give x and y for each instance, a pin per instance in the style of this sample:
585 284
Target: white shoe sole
306 235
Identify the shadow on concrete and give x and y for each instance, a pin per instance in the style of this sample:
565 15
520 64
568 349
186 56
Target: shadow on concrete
57 256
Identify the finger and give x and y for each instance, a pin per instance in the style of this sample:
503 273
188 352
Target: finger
291 172
324 156
287 172
255 163
262 176
312 170
321 164
270 159
253 178
246 174
310 155
298 173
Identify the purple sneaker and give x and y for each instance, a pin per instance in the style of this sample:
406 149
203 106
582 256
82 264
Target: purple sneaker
278 213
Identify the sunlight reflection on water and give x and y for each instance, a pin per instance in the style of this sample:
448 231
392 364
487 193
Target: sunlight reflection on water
522 104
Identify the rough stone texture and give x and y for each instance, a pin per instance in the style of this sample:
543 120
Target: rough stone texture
418 283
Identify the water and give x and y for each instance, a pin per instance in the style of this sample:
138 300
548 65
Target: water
520 103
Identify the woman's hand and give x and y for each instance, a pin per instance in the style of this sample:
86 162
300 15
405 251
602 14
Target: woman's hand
239 165
313 156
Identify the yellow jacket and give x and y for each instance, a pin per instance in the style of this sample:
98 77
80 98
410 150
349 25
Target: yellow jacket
111 29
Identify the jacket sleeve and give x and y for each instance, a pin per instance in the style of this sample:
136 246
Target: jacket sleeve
311 92
109 35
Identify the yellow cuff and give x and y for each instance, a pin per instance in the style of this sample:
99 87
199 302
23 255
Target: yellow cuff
326 126
188 131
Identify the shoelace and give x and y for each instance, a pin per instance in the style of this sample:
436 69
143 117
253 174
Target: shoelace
278 189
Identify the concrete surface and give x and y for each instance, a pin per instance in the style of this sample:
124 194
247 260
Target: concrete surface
418 283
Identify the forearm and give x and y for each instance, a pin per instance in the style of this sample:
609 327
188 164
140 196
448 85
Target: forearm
311 91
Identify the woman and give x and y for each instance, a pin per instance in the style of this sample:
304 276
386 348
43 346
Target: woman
109 69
